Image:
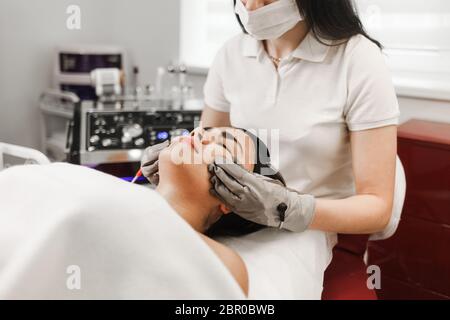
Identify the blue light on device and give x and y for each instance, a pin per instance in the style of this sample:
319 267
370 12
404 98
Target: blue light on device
162 135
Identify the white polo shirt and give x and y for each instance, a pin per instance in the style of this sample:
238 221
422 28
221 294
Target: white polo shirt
315 98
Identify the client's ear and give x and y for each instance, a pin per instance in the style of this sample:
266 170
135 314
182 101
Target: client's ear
224 209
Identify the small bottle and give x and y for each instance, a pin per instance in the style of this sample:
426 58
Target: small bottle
135 85
159 82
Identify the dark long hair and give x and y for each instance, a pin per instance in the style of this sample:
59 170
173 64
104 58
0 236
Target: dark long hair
233 225
335 20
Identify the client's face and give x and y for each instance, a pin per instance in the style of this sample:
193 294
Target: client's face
184 163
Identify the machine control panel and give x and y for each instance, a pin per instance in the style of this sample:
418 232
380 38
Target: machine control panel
112 130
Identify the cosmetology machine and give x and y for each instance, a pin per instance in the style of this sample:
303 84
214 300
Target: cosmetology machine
93 117
73 72
111 132
111 136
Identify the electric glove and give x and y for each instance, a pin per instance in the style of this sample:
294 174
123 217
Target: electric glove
260 199
149 162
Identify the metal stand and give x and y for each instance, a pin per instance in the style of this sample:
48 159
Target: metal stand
57 109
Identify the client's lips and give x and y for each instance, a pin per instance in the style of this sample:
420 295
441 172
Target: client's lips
188 140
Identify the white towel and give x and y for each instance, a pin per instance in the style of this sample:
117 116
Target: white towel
125 239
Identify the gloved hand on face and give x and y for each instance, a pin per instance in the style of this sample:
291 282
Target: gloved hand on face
260 199
149 162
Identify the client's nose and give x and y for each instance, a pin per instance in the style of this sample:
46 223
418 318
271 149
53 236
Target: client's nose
201 135
198 138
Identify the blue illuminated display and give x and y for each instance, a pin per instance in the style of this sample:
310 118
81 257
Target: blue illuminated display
162 135
185 133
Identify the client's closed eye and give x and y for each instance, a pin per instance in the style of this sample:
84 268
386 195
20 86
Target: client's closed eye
213 151
225 139
213 138
228 136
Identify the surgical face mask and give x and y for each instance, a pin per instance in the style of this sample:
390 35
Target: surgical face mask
270 21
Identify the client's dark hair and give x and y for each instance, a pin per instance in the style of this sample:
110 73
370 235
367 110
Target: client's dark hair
232 224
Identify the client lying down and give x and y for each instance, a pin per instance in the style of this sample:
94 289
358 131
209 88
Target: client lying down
185 183
123 241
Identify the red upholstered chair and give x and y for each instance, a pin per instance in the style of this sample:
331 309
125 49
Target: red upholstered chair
346 276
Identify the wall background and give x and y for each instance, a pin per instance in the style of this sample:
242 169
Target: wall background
30 30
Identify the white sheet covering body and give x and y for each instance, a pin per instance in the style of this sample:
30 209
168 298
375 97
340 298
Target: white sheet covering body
283 264
126 240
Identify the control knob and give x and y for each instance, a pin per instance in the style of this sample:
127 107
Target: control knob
106 142
139 142
126 139
94 139
132 130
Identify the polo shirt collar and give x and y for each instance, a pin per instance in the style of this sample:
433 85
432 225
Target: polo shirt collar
310 49
252 47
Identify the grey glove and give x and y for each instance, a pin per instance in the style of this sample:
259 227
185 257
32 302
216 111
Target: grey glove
260 199
149 162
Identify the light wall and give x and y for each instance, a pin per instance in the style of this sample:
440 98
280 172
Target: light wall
30 30
424 109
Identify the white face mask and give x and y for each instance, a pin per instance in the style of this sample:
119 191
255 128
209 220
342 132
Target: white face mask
270 21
